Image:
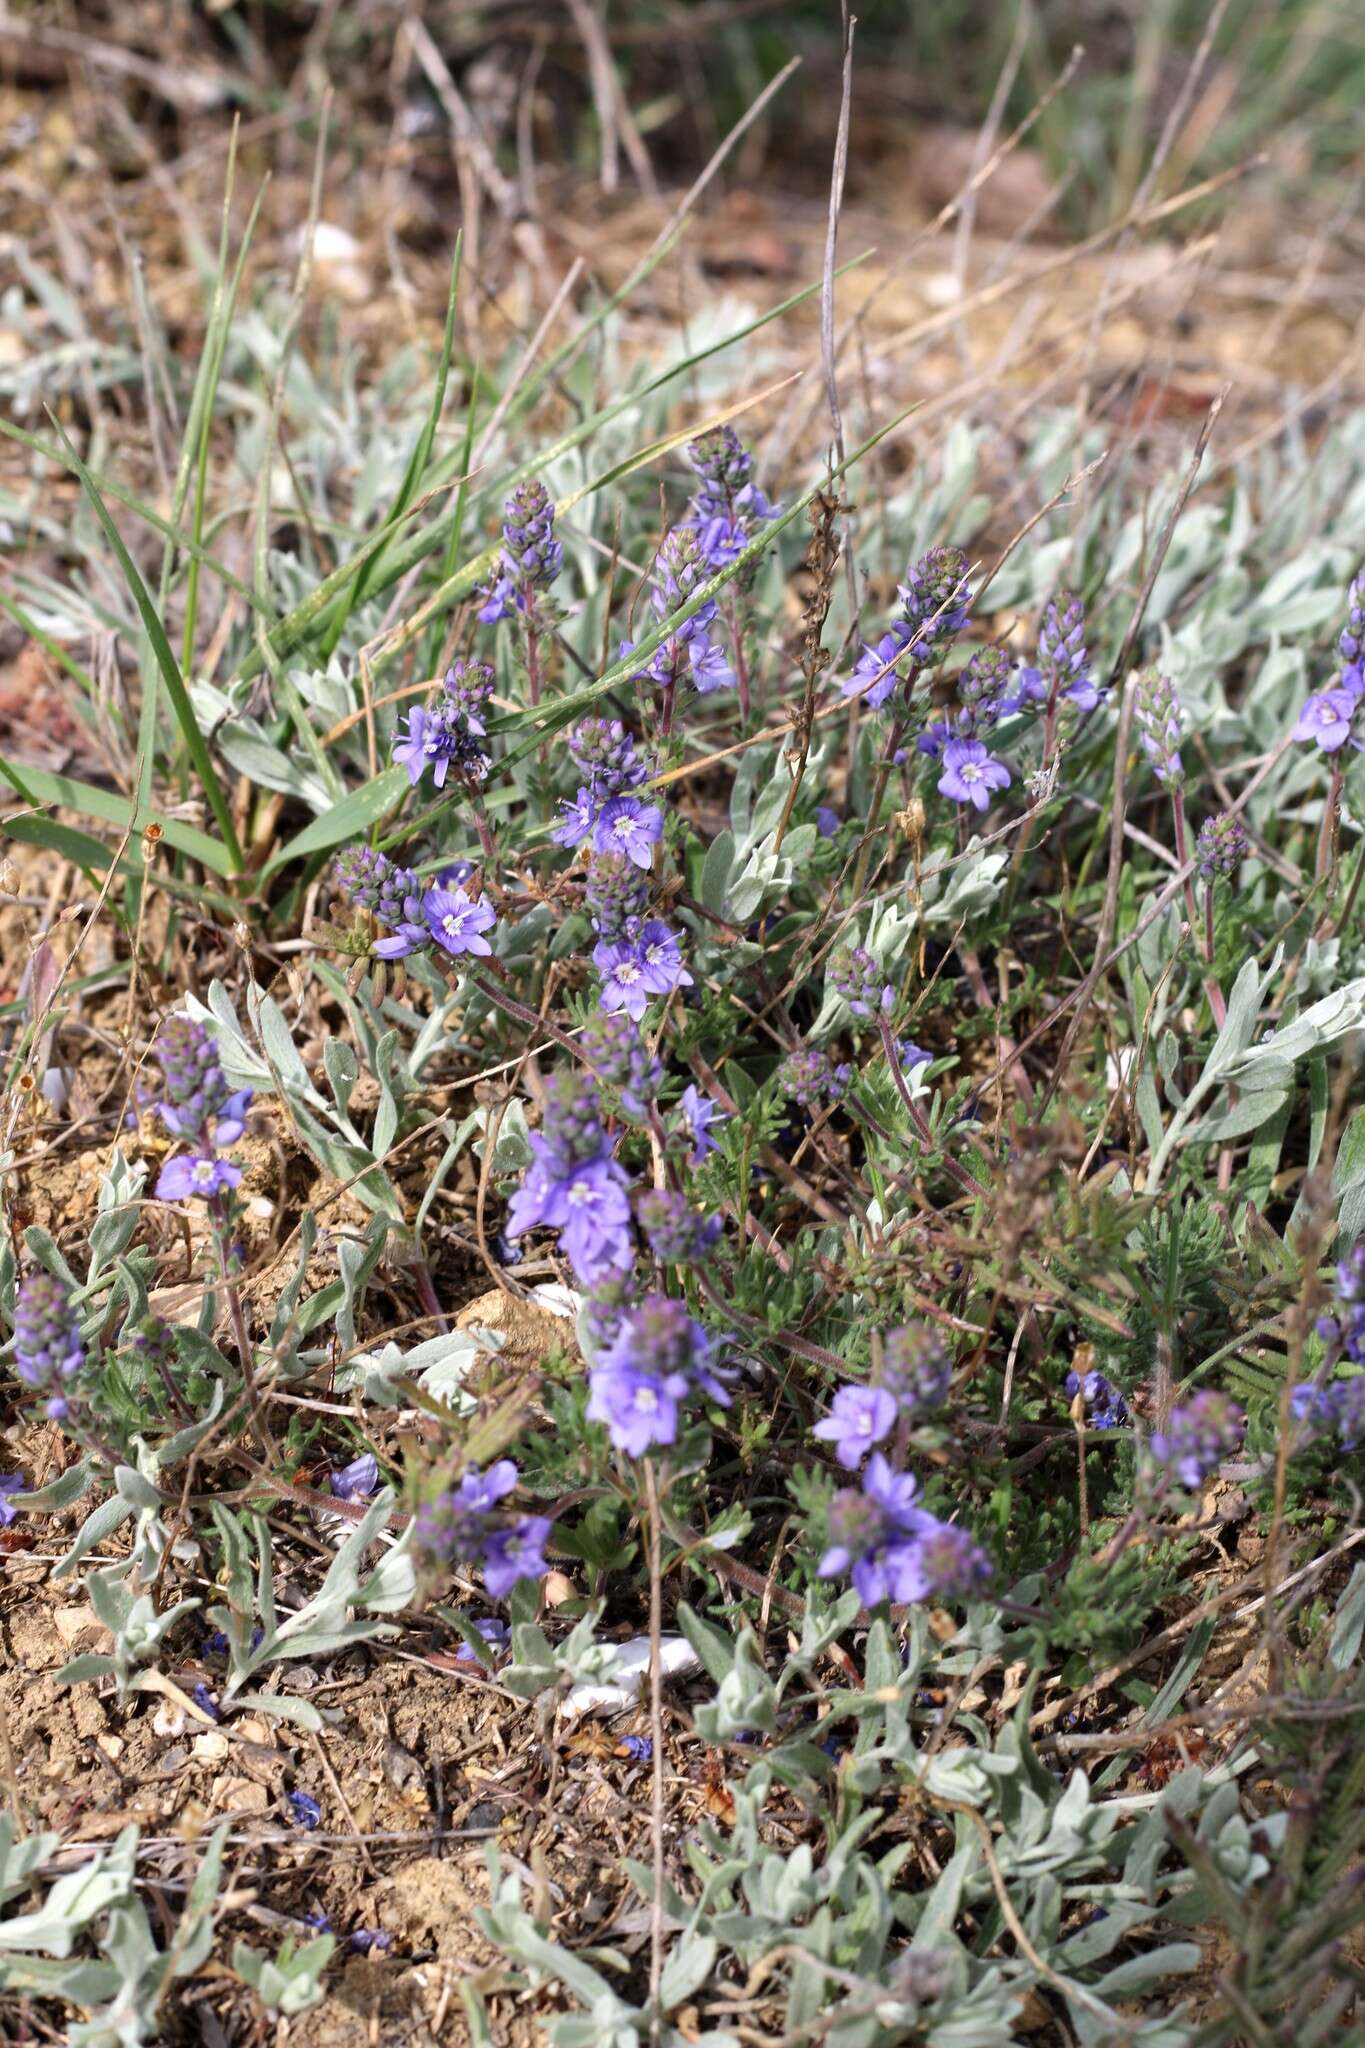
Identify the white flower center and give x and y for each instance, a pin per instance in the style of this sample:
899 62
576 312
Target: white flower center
203 1173
452 923
647 1400
581 1193
627 973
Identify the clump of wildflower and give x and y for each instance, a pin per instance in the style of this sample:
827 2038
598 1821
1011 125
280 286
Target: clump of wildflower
859 1418
659 1360
1157 714
678 1234
859 980
467 1524
914 1369
810 1079
935 602
446 735
531 556
688 654
727 507
1221 846
610 765
390 893
48 1352
1105 1407
574 1185
1201 1433
936 599
200 1103
618 1055
892 1548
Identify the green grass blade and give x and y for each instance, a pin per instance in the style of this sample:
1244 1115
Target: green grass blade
165 661
95 858
51 453
353 815
42 786
417 461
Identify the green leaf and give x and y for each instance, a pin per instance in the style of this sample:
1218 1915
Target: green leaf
165 660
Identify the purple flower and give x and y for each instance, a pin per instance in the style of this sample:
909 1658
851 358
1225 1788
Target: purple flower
466 1522
614 896
629 829
1156 711
206 1701
1062 650
1104 1405
305 1810
576 820
183 1178
936 598
680 568
47 1335
1222 846
200 1102
456 923
912 1055
447 734
826 822
941 1560
914 1369
661 959
677 1234
859 1417
531 556
494 1635
808 1078
10 1482
515 1553
623 978
970 773
357 1480
698 1113
392 894
366 1940
639 1748
894 1492
640 1409
587 1204
659 1357
500 601
1327 718
858 979
1202 1432
875 674
607 756
984 690
619 1056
